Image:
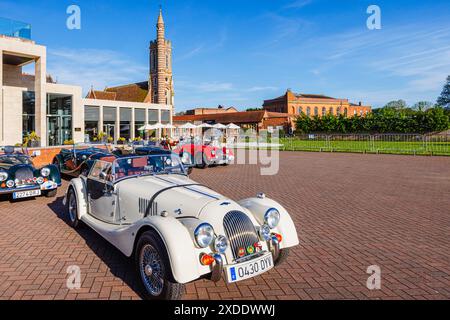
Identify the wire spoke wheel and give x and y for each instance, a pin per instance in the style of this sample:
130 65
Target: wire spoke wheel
152 270
72 207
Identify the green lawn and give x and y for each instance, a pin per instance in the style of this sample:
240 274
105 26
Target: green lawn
367 146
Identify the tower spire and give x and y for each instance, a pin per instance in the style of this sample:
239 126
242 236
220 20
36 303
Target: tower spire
160 25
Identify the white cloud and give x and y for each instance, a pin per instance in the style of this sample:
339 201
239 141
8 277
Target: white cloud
100 68
297 4
262 88
204 87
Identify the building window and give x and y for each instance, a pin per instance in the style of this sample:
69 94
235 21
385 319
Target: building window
59 119
324 111
355 113
91 122
361 113
167 61
331 111
139 121
308 111
165 116
125 123
28 113
300 110
316 111
109 123
345 112
338 111
153 116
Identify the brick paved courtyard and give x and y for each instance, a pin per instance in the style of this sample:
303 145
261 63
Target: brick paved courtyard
351 211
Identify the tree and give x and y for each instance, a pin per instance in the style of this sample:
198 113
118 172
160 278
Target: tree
422 106
396 104
444 98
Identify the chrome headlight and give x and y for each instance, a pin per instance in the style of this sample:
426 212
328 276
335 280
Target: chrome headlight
221 244
3 176
10 184
45 172
264 232
204 235
272 218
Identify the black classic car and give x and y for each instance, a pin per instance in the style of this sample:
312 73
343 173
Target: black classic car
19 177
152 150
79 159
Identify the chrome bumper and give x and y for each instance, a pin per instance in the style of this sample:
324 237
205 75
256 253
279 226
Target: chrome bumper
217 269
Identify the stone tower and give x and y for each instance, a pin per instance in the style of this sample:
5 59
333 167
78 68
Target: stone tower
160 80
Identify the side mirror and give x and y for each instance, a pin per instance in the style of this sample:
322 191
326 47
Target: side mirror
102 175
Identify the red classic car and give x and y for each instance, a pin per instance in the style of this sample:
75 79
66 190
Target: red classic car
204 155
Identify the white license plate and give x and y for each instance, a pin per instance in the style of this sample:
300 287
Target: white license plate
249 269
26 194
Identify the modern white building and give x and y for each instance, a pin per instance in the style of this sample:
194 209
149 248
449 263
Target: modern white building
58 113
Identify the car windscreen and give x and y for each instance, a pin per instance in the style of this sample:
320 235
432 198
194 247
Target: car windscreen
147 165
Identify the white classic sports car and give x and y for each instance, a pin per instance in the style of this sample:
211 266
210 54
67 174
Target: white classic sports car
176 229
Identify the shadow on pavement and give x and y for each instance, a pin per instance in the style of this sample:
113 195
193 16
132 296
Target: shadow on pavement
119 265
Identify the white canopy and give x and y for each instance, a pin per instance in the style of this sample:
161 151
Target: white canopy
205 125
219 126
188 126
169 126
233 126
152 126
146 127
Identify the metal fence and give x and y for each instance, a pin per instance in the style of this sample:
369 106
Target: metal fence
370 143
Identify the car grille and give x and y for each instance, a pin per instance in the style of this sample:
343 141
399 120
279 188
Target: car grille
24 176
240 231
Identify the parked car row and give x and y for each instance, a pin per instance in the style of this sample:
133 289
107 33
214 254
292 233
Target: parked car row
143 202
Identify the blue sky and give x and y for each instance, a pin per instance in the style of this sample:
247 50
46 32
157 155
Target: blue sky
240 52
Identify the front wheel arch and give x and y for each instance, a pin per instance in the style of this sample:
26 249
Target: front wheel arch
141 231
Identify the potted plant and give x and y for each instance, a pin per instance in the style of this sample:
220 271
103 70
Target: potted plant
121 140
32 140
101 136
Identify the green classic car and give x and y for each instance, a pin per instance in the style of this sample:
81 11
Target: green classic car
19 177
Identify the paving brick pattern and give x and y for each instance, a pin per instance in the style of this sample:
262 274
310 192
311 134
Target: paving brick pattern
351 211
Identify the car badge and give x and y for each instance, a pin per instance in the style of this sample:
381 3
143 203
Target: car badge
241 252
258 246
250 249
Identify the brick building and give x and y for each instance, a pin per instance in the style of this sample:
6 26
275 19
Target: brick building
219 109
314 105
257 120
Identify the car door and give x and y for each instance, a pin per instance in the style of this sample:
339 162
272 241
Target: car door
67 159
100 191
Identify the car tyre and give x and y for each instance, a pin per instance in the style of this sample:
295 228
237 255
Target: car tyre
51 193
72 209
200 160
153 267
284 254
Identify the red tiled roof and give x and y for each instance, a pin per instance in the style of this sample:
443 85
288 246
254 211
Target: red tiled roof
232 117
134 92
